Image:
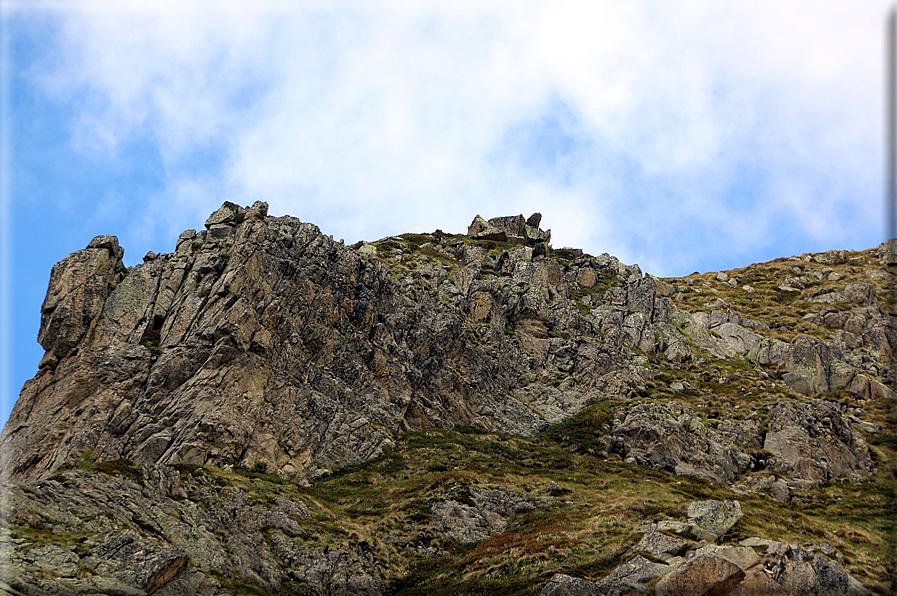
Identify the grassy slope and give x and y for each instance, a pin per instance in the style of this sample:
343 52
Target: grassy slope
587 533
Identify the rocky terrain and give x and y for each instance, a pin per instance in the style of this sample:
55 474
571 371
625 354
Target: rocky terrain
267 410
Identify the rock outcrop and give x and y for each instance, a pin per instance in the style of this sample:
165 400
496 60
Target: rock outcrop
785 569
262 349
261 339
671 437
513 229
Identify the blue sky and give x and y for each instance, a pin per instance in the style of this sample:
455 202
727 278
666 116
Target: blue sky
683 136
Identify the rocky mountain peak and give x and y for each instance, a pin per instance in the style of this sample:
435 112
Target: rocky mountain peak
261 349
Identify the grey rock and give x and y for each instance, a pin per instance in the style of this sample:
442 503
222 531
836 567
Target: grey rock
631 577
259 210
829 296
660 545
887 252
671 437
142 540
79 286
485 516
739 339
813 442
464 523
803 572
229 213
714 517
63 562
859 292
878 274
565 585
675 526
512 229
832 257
778 488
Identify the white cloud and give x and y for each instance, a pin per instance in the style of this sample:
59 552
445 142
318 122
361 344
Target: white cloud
372 121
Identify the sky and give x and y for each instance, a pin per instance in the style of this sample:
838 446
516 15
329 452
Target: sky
683 135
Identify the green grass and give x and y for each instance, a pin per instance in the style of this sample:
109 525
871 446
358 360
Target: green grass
120 467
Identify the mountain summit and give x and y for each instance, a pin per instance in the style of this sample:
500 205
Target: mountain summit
237 388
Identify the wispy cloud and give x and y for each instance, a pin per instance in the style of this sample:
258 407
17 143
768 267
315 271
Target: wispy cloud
681 135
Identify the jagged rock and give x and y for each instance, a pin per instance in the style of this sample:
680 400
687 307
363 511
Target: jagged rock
79 286
671 437
887 252
813 442
260 340
483 517
631 578
704 575
714 517
658 544
207 354
832 257
512 229
803 572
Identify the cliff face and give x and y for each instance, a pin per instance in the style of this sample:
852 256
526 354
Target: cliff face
262 344
261 339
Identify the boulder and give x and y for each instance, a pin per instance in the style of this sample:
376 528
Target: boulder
887 252
512 225
832 257
859 292
714 517
565 585
512 229
743 556
228 214
704 575
806 572
631 578
757 582
660 545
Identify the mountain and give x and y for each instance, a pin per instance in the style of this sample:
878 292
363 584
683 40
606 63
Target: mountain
266 410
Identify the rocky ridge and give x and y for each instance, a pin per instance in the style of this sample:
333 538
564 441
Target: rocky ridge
261 345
